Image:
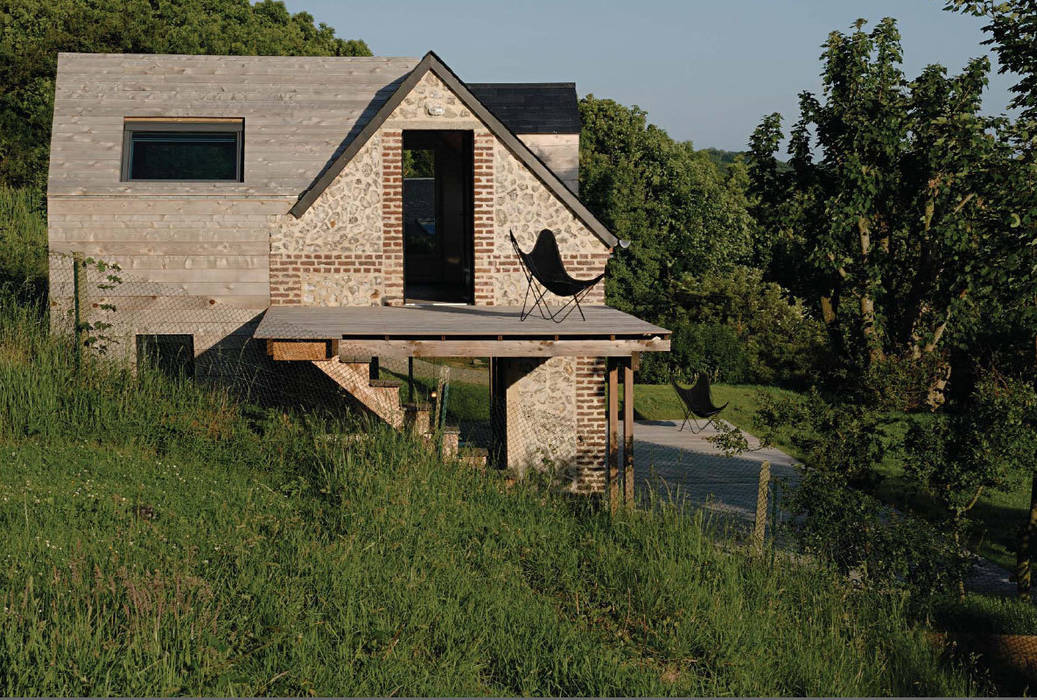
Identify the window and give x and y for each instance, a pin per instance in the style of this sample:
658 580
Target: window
172 355
185 150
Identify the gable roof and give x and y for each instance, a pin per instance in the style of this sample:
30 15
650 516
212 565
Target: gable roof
532 108
432 63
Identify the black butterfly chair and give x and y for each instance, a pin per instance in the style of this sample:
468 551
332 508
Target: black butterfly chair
545 273
698 402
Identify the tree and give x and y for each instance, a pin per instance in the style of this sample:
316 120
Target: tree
1013 34
1012 28
32 32
679 213
894 230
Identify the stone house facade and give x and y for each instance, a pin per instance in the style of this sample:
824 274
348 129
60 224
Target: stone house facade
314 214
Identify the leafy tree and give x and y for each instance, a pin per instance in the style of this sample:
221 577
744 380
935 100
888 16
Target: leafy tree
32 32
679 213
896 229
1013 35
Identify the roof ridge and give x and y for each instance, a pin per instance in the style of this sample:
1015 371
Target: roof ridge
433 63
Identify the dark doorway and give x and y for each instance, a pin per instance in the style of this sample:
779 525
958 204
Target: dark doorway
437 216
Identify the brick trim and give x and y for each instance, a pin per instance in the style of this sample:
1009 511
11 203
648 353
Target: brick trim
392 215
287 269
591 424
483 216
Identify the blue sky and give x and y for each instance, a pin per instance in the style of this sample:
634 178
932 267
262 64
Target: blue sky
704 71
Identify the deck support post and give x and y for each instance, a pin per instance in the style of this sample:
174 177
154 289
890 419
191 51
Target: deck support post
410 379
613 423
628 432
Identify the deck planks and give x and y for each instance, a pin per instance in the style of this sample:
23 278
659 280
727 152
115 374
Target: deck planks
447 323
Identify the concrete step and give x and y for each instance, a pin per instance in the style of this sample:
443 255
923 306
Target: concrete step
473 456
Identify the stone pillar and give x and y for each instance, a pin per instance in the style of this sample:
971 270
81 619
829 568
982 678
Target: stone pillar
554 415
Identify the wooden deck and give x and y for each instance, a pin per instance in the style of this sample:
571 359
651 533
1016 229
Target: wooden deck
462 331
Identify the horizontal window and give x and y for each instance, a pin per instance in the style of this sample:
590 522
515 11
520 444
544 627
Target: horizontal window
185 151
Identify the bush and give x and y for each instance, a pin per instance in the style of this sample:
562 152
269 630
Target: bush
23 243
978 446
779 341
904 383
837 521
710 348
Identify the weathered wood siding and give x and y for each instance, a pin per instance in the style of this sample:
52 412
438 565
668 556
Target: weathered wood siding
560 152
196 257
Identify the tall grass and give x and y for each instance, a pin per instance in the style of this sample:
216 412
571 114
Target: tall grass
23 242
163 539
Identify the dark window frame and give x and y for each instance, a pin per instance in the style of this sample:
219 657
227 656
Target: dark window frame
220 125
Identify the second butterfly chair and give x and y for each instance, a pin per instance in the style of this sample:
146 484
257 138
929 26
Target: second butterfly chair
698 403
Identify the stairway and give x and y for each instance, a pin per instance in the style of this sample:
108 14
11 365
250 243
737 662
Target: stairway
381 397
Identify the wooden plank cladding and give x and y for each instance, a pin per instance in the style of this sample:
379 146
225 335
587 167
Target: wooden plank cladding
501 348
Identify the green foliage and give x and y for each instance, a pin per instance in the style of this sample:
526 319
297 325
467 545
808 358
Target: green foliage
779 339
23 243
710 348
162 539
1013 35
837 520
990 439
679 213
32 32
902 223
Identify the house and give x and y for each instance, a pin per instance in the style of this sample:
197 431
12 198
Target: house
337 211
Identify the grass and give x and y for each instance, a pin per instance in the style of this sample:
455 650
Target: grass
162 539
980 614
23 242
660 402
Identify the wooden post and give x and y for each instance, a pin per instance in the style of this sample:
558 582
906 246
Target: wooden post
77 328
375 370
1026 539
410 380
628 433
760 526
613 409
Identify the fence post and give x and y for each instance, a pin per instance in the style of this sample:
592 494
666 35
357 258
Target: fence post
760 526
77 321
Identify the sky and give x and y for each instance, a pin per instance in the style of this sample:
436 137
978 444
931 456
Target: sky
704 71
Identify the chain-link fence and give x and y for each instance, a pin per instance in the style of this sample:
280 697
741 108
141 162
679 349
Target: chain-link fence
109 310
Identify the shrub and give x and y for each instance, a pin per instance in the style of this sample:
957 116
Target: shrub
837 520
979 446
779 339
710 348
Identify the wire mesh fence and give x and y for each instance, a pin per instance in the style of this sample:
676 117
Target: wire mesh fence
127 315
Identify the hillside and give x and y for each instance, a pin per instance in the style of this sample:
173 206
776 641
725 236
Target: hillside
163 539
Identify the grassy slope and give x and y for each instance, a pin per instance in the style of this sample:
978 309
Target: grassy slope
160 539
